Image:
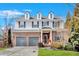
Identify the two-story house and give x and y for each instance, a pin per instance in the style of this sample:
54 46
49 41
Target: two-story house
31 30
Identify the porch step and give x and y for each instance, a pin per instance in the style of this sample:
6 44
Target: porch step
46 45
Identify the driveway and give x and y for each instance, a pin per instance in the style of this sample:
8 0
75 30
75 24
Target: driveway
20 51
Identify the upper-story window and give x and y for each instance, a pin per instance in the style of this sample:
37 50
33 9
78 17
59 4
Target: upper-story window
58 24
35 24
53 24
39 15
45 23
22 24
51 15
19 24
27 15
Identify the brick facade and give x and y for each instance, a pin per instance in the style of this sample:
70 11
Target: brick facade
24 34
63 40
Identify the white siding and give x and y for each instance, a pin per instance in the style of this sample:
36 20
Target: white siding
29 23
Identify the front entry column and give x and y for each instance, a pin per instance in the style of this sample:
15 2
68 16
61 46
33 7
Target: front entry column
41 36
50 36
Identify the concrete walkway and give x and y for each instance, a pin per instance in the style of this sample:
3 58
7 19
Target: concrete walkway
20 51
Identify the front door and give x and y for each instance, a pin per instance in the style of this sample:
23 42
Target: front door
45 37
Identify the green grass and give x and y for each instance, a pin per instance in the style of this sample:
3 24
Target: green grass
2 49
45 52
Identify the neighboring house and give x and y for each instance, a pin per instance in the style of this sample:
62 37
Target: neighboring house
29 30
1 39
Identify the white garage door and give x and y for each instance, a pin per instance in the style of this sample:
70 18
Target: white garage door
21 41
33 41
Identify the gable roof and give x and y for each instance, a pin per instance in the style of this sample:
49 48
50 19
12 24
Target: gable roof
43 18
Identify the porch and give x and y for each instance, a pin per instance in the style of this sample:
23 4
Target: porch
49 36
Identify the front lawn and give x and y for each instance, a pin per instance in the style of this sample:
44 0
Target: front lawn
2 49
45 52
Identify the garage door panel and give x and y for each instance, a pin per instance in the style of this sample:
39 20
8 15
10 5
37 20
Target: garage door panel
21 41
33 41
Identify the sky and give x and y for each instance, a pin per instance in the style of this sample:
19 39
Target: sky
59 9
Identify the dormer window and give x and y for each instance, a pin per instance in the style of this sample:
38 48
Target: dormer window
51 15
27 15
39 15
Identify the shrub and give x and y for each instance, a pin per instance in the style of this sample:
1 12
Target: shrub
57 45
75 42
77 47
40 45
68 47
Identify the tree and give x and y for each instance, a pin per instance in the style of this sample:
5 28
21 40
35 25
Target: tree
9 16
76 17
68 22
9 37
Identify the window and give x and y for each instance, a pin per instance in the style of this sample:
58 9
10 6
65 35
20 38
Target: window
39 16
22 24
72 29
53 24
46 23
42 24
19 23
32 24
58 24
35 25
50 16
27 15
57 37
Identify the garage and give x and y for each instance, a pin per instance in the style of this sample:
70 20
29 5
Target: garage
21 41
33 41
